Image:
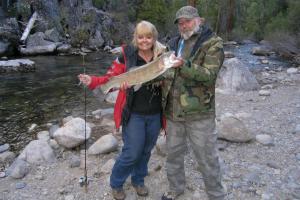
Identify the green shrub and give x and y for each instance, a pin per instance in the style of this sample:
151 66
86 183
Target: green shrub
79 37
280 22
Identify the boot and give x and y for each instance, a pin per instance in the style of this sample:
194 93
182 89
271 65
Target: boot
141 190
118 194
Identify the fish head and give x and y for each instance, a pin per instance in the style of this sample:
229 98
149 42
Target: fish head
168 59
97 92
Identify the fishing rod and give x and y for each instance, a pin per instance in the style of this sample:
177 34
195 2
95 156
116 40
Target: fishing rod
83 180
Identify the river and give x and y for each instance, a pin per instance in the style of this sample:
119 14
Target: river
46 95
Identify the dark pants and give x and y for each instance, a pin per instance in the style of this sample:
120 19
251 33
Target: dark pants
139 137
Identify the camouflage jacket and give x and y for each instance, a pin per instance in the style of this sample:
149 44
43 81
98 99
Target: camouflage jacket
189 91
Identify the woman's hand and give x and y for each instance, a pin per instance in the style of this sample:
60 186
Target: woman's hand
85 79
124 86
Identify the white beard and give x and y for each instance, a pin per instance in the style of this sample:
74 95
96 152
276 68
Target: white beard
186 35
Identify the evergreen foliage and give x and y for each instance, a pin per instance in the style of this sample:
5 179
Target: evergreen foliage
154 11
254 18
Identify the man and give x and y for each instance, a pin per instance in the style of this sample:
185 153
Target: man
189 105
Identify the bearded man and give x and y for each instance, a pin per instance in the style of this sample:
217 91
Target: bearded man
189 103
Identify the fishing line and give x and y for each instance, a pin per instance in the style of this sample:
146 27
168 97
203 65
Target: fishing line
83 181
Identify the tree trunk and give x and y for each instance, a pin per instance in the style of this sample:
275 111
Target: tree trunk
230 17
222 17
28 27
225 21
191 3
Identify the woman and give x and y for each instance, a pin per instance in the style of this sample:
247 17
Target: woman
139 111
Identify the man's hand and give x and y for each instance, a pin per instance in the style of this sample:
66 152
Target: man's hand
85 79
177 61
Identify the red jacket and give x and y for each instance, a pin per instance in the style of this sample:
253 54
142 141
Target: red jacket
116 69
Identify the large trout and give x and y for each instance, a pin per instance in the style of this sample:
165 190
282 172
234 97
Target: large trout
141 74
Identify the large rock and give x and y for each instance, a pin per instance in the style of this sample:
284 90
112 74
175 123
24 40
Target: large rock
35 50
17 65
105 144
96 41
4 147
52 35
72 134
18 169
231 128
64 48
38 152
261 51
10 35
7 157
37 39
37 44
234 76
3 48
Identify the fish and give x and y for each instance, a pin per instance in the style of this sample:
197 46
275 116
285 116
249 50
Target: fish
141 74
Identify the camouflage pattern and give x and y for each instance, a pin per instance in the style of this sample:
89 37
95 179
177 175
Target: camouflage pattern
189 104
187 12
190 90
202 136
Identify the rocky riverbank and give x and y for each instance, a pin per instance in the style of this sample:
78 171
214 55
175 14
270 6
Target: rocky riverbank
259 149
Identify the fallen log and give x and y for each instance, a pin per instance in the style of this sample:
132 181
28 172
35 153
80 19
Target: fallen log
28 27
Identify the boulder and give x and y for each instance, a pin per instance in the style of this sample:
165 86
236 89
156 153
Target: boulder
17 65
231 128
72 134
38 152
105 144
261 51
234 76
35 50
18 169
52 35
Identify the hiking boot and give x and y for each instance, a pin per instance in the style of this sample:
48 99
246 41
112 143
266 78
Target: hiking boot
141 190
169 196
118 194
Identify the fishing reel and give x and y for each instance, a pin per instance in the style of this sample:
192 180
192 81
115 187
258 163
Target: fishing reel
83 181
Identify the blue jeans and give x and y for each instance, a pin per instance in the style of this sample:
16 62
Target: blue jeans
139 137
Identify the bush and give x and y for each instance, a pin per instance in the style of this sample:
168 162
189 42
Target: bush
79 37
280 22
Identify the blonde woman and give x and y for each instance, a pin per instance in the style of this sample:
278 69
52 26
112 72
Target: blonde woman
138 111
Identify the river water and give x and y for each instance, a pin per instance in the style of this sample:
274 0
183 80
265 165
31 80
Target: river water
46 95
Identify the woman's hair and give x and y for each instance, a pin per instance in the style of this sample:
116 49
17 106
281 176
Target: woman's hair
144 28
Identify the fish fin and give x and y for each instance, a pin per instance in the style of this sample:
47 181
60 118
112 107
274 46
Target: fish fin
137 87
